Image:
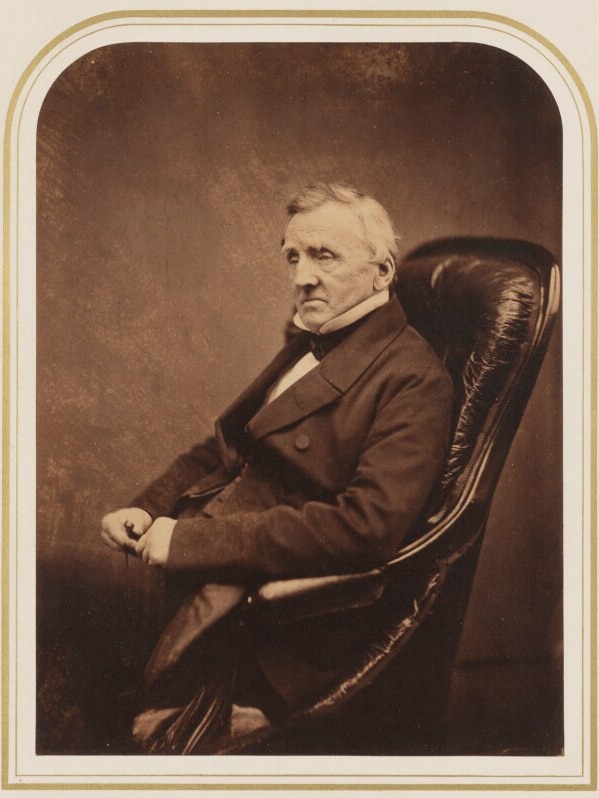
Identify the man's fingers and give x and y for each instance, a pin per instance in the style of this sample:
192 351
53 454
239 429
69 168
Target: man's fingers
121 529
129 547
131 532
112 544
144 553
140 546
144 548
114 533
111 521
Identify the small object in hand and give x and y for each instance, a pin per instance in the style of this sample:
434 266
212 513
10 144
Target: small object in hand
131 533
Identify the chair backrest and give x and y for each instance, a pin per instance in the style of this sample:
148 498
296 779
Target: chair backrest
487 306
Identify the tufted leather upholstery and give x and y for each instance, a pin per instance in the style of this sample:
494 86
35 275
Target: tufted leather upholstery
478 301
487 307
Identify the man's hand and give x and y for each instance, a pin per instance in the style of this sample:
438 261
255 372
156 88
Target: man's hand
154 546
114 533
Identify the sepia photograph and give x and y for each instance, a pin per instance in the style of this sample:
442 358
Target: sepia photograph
299 402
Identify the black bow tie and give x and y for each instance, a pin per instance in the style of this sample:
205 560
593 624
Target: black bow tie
321 345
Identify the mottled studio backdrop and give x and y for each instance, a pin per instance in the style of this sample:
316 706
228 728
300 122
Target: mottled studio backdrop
163 174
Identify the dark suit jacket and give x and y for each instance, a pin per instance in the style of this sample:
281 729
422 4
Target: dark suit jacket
327 478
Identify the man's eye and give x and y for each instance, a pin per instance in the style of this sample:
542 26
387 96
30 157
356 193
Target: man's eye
324 254
292 258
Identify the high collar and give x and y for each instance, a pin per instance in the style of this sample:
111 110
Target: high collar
349 316
352 356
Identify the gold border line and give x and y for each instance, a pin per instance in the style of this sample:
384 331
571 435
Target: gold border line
5 438
296 14
594 206
464 26
296 786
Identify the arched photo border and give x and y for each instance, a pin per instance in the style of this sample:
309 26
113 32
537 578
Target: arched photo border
19 379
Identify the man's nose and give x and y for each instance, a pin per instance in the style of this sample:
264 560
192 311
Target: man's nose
305 272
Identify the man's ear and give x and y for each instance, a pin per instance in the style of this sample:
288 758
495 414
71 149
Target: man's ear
384 274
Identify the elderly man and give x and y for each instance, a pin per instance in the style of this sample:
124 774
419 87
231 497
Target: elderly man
321 466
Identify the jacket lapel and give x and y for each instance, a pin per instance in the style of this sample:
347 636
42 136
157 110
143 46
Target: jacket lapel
307 395
333 377
230 426
350 359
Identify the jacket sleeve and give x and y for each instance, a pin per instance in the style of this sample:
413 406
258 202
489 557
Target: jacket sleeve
401 458
160 496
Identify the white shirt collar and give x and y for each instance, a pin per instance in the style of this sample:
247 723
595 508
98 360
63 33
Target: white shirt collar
349 316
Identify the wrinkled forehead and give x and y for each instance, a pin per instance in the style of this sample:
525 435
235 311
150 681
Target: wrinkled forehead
331 223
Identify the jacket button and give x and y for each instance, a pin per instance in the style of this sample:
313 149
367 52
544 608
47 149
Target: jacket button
302 442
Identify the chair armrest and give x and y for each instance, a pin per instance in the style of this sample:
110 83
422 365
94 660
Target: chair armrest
297 599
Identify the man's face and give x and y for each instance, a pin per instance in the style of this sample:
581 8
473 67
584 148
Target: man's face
329 264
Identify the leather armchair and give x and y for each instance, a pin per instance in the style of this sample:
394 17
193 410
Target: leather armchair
487 306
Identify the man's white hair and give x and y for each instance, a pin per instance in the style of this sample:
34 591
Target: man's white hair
377 228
